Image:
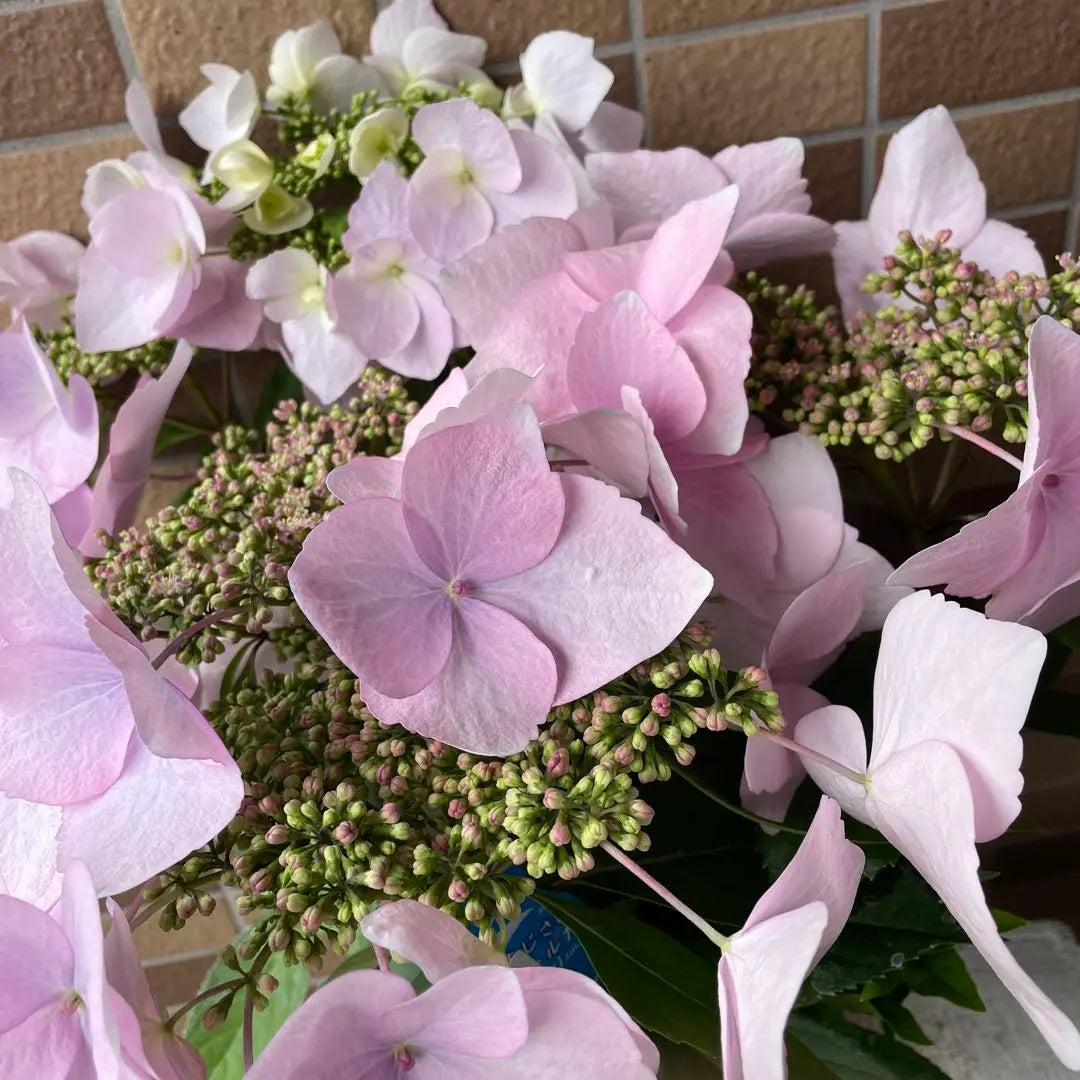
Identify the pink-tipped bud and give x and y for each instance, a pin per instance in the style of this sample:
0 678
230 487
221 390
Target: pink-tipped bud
346 832
458 891
661 705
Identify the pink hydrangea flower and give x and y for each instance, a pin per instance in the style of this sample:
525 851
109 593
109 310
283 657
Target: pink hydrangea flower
951 692
94 742
292 288
46 430
1023 554
491 589
411 45
387 298
477 176
711 324
147 1047
39 272
772 219
574 1027
928 183
126 469
791 927
58 1015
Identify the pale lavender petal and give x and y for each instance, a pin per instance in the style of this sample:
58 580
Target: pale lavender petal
610 440
375 308
613 128
39 963
476 134
494 692
547 186
448 217
230 319
1001 248
434 941
361 584
326 361
364 477
1053 396
773 236
644 584
855 255
480 501
398 20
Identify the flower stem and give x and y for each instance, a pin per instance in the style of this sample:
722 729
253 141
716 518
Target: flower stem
167 898
382 955
185 636
646 878
249 1030
984 444
198 999
708 792
806 752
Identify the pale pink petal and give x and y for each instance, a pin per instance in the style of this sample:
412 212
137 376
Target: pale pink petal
879 597
376 309
29 851
837 732
610 440
435 942
714 329
1000 248
800 481
547 186
985 553
480 285
453 403
433 55
39 963
730 528
772 236
563 78
126 469
480 501
280 280
826 867
918 697
606 272
682 251
72 514
338 79
647 186
123 967
447 217
1053 395
493 693
224 111
759 977
140 115
595 223
815 627
361 584
396 21
623 344
920 802
663 487
47 1044
325 361
928 183
65 723
645 585
769 175
380 211
771 772
613 128
229 319
855 255
426 354
478 135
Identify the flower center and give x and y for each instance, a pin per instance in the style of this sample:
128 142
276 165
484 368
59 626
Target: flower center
1051 481
71 1001
457 587
404 1058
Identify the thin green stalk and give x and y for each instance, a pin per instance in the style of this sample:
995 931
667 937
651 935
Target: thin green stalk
709 793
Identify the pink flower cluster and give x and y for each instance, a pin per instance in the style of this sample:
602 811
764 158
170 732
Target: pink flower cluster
563 506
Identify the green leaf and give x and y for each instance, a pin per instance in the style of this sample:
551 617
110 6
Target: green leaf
1006 920
223 1048
824 1047
899 1020
663 985
335 220
282 385
173 432
1068 635
944 975
241 668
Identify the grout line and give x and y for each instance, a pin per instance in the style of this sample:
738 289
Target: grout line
753 26
122 38
871 121
1047 206
13 7
990 108
50 139
1072 221
179 958
825 138
637 43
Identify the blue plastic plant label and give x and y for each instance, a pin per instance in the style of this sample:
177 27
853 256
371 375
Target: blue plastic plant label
537 936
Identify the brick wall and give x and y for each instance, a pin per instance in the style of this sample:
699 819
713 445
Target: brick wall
705 72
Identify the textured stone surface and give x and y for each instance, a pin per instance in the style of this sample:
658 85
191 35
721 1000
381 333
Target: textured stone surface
171 41
1048 232
509 25
41 188
834 171
675 16
790 80
58 70
956 52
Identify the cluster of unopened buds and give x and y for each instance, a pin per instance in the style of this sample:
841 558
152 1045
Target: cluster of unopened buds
403 654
